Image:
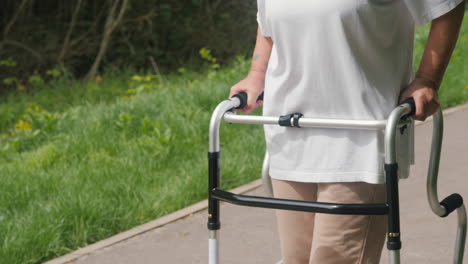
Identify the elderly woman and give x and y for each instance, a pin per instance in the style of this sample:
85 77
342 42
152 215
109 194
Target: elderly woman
344 59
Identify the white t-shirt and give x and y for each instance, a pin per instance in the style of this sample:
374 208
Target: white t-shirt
339 59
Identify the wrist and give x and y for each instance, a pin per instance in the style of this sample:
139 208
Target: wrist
428 81
257 73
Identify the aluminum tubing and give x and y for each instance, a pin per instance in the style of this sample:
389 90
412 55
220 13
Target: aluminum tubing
266 179
213 248
215 121
433 170
461 236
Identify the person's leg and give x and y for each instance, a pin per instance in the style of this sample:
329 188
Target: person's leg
350 239
295 228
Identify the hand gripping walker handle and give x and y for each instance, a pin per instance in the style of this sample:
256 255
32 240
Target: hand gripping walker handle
412 105
243 99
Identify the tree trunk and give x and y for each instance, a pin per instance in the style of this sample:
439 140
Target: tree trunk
10 24
112 22
14 18
66 42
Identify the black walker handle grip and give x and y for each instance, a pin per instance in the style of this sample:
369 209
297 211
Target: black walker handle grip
451 203
243 99
412 104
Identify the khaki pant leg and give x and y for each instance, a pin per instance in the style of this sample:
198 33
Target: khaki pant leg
295 228
348 239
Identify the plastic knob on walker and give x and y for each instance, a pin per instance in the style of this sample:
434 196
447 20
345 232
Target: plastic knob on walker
412 105
243 99
451 203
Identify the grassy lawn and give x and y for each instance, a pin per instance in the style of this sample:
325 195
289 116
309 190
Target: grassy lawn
80 162
73 175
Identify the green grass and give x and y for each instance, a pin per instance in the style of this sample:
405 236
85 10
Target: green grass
95 169
94 164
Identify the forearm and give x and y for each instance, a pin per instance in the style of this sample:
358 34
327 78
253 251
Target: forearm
254 83
261 54
440 44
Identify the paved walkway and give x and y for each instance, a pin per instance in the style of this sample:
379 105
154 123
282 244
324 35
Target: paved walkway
249 235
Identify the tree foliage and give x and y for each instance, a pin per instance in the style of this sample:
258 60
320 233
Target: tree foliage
85 37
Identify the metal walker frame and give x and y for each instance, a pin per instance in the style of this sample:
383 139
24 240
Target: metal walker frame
397 120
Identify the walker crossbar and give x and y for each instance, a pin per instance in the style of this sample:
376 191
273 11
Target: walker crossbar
396 122
232 117
299 205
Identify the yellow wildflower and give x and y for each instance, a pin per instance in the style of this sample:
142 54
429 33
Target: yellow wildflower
35 109
22 126
137 78
131 91
127 98
465 37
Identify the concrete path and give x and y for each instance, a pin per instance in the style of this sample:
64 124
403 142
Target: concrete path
249 235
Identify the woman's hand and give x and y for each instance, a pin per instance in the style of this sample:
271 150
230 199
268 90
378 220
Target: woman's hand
253 85
425 97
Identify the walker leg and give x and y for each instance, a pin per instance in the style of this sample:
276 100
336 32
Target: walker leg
393 235
452 202
213 247
394 256
391 180
461 235
266 175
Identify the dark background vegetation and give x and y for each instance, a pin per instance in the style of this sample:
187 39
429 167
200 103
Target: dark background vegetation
84 37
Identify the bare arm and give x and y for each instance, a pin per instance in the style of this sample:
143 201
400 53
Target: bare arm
439 47
262 53
254 83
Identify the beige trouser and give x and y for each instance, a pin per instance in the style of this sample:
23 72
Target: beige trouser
330 239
